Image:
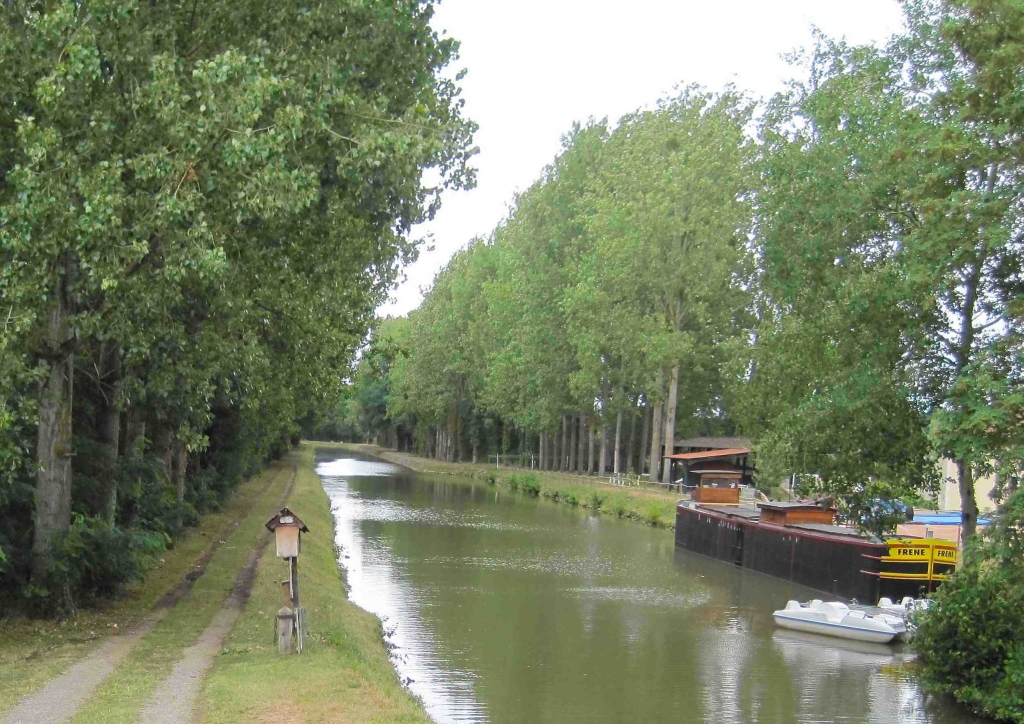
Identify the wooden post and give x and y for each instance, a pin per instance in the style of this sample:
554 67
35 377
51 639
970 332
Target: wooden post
294 578
285 630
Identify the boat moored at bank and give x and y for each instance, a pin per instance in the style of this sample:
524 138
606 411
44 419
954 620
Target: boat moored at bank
833 618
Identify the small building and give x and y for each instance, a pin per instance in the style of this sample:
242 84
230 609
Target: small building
712 474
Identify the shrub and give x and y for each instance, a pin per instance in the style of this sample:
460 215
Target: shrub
652 513
597 500
971 639
570 498
89 561
529 485
492 477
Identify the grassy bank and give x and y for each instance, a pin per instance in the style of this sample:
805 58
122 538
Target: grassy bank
652 507
34 651
344 674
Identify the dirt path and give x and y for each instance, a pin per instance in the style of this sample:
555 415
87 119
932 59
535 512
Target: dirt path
60 699
175 698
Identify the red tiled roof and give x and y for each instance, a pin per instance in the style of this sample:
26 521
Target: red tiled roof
710 454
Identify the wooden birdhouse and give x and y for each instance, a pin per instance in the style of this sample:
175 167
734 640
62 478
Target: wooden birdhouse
288 530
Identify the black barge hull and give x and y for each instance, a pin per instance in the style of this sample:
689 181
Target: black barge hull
840 566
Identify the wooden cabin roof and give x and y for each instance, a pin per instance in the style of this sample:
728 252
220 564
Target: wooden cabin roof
710 454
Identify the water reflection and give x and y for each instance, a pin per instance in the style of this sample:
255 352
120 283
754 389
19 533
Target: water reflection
508 609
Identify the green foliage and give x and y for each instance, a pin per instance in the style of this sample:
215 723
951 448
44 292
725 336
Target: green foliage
203 208
525 483
92 561
971 639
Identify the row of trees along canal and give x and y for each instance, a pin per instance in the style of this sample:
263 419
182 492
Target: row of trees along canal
835 274
200 207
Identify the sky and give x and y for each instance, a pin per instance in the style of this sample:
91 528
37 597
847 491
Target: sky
536 66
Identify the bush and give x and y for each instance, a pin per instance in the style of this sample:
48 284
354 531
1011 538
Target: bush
597 500
91 561
526 483
971 639
492 477
652 514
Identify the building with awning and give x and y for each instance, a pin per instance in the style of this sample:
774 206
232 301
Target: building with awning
713 474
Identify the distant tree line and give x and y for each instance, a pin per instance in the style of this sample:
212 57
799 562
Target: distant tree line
200 208
835 273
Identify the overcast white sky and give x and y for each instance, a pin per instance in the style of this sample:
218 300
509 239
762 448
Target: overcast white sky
535 66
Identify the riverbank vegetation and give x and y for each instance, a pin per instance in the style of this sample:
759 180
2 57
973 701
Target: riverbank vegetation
834 274
972 636
654 507
200 208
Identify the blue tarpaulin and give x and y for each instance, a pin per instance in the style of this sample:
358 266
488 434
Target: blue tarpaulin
952 517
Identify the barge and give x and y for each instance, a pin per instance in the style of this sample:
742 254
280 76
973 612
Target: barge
798 542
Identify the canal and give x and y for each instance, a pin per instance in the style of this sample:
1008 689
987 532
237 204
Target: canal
504 608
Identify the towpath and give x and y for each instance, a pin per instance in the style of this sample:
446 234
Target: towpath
62 697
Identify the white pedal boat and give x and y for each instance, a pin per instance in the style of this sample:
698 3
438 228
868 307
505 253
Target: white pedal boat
905 607
836 619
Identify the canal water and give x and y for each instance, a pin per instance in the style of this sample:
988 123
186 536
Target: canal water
504 608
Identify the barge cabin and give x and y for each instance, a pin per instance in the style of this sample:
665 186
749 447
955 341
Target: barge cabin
800 543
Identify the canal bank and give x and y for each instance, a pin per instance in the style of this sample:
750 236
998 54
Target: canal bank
343 674
651 507
502 607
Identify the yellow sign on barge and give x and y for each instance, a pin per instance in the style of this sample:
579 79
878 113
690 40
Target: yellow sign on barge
917 559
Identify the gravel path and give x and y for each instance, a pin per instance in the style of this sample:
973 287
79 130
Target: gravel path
60 699
175 699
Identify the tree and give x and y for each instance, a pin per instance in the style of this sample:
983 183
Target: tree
217 197
971 638
657 296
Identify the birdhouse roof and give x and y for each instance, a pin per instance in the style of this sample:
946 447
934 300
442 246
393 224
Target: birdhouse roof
285 517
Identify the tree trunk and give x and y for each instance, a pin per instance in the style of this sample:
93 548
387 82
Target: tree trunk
581 454
644 437
631 443
616 456
670 422
591 426
135 430
179 463
556 453
162 438
574 443
53 447
968 504
603 456
656 430
542 450
563 461
109 427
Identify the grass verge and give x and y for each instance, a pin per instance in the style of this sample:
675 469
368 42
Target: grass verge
342 675
652 507
124 694
34 651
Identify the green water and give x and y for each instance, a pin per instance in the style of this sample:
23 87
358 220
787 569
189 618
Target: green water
502 608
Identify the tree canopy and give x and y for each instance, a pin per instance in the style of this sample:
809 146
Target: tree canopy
200 208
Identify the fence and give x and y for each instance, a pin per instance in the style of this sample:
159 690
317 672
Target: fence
527 461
